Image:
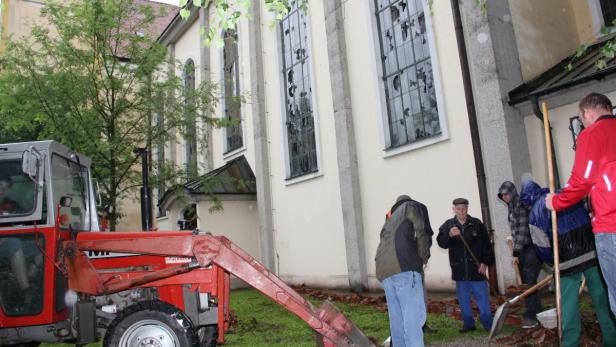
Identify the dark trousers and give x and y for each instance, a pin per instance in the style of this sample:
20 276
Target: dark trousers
530 266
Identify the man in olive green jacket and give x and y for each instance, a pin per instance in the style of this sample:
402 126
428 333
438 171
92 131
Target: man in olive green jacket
403 251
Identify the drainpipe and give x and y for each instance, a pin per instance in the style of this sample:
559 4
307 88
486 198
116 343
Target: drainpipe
472 120
537 110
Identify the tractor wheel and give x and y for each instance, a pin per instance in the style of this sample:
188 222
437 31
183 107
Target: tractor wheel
208 336
151 323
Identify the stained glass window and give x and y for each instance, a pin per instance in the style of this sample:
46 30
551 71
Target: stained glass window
298 93
190 118
407 71
232 91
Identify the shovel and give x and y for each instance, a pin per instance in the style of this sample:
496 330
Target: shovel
501 313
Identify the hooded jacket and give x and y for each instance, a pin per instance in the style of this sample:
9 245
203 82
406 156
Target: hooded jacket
406 238
463 267
576 243
594 174
517 217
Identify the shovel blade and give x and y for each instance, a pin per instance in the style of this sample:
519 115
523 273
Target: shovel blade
499 319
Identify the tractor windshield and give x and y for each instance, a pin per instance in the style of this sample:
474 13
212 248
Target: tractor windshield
17 191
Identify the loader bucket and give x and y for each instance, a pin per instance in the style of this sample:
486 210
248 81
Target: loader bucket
349 334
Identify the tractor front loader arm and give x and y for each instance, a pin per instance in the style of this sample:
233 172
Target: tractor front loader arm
206 249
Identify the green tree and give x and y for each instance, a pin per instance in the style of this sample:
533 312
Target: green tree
95 79
228 13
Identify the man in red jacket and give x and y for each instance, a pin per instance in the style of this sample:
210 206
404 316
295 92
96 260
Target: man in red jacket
594 174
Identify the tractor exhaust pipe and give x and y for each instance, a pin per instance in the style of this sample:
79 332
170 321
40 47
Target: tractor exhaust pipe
146 192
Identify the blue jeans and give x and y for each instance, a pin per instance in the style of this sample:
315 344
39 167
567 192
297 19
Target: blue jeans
406 307
606 252
480 290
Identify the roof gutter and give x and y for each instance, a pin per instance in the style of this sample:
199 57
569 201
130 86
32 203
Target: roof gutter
558 87
178 25
472 120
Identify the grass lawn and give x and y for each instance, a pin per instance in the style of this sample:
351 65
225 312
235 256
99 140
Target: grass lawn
261 322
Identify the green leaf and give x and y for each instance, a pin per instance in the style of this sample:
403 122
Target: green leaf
483 6
198 3
184 13
581 50
601 64
605 30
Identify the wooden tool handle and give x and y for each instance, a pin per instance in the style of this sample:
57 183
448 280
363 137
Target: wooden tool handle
518 276
548 145
536 287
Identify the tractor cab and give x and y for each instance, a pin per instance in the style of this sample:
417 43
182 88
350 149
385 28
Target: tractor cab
45 197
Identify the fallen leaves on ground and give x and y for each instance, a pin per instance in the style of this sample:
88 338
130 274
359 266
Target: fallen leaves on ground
377 301
590 336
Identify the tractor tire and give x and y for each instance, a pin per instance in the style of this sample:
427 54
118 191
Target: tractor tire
208 335
151 323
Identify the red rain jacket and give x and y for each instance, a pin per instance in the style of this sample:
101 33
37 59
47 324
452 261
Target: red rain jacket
594 174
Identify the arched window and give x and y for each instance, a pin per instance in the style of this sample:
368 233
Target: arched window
231 85
190 118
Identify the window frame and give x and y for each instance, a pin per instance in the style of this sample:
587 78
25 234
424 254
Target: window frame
87 220
186 153
385 134
231 153
36 212
290 180
160 164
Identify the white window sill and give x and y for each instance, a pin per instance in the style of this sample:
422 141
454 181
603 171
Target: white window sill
162 218
234 153
303 178
387 153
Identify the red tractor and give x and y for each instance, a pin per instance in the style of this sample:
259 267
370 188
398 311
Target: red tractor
63 280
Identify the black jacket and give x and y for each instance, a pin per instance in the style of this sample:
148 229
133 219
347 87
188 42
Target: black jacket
463 268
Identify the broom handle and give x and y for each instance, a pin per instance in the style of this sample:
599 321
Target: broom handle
468 249
548 142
